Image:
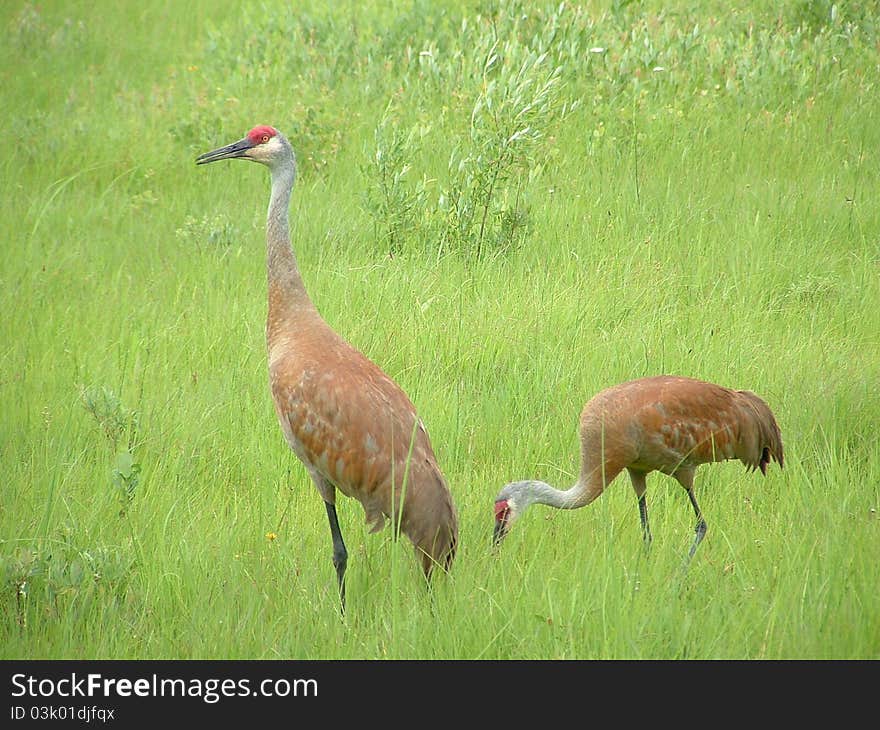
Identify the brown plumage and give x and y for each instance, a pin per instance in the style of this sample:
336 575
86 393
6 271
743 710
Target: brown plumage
353 427
664 423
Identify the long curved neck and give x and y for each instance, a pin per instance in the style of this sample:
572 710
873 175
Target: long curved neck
287 292
578 495
543 493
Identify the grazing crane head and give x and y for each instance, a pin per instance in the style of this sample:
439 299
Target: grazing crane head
262 144
510 503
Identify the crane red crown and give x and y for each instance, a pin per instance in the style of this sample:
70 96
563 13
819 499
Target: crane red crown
257 134
501 509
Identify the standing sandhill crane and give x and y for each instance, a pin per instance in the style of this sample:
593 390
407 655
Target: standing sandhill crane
351 426
663 423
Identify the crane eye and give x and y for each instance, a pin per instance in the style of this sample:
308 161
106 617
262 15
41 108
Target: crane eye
264 139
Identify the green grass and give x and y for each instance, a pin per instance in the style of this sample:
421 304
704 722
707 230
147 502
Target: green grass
716 218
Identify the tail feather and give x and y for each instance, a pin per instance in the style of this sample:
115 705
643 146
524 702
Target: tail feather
433 527
765 444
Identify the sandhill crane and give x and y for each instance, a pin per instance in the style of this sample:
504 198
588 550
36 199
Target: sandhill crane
663 423
351 425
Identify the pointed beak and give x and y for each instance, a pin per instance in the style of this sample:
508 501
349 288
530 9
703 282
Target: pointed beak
230 151
499 532
502 518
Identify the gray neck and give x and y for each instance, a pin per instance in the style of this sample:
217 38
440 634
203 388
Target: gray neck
281 265
543 493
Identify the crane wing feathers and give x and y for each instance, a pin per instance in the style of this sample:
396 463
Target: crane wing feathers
356 427
666 423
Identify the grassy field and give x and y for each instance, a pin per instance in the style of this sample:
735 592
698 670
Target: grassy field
507 207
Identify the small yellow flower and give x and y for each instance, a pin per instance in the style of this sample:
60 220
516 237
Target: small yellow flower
271 536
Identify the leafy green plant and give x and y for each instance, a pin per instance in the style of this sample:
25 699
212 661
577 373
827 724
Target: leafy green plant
216 230
42 577
499 85
518 98
395 203
125 478
115 419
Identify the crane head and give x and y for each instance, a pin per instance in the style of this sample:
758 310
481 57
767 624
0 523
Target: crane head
511 501
503 514
263 144
514 499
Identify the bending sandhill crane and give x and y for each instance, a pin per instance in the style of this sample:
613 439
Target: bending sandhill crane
664 423
352 427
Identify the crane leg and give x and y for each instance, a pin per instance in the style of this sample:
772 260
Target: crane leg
340 554
685 477
638 481
643 515
700 529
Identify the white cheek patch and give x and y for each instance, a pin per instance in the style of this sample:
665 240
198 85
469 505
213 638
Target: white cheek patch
264 151
271 147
